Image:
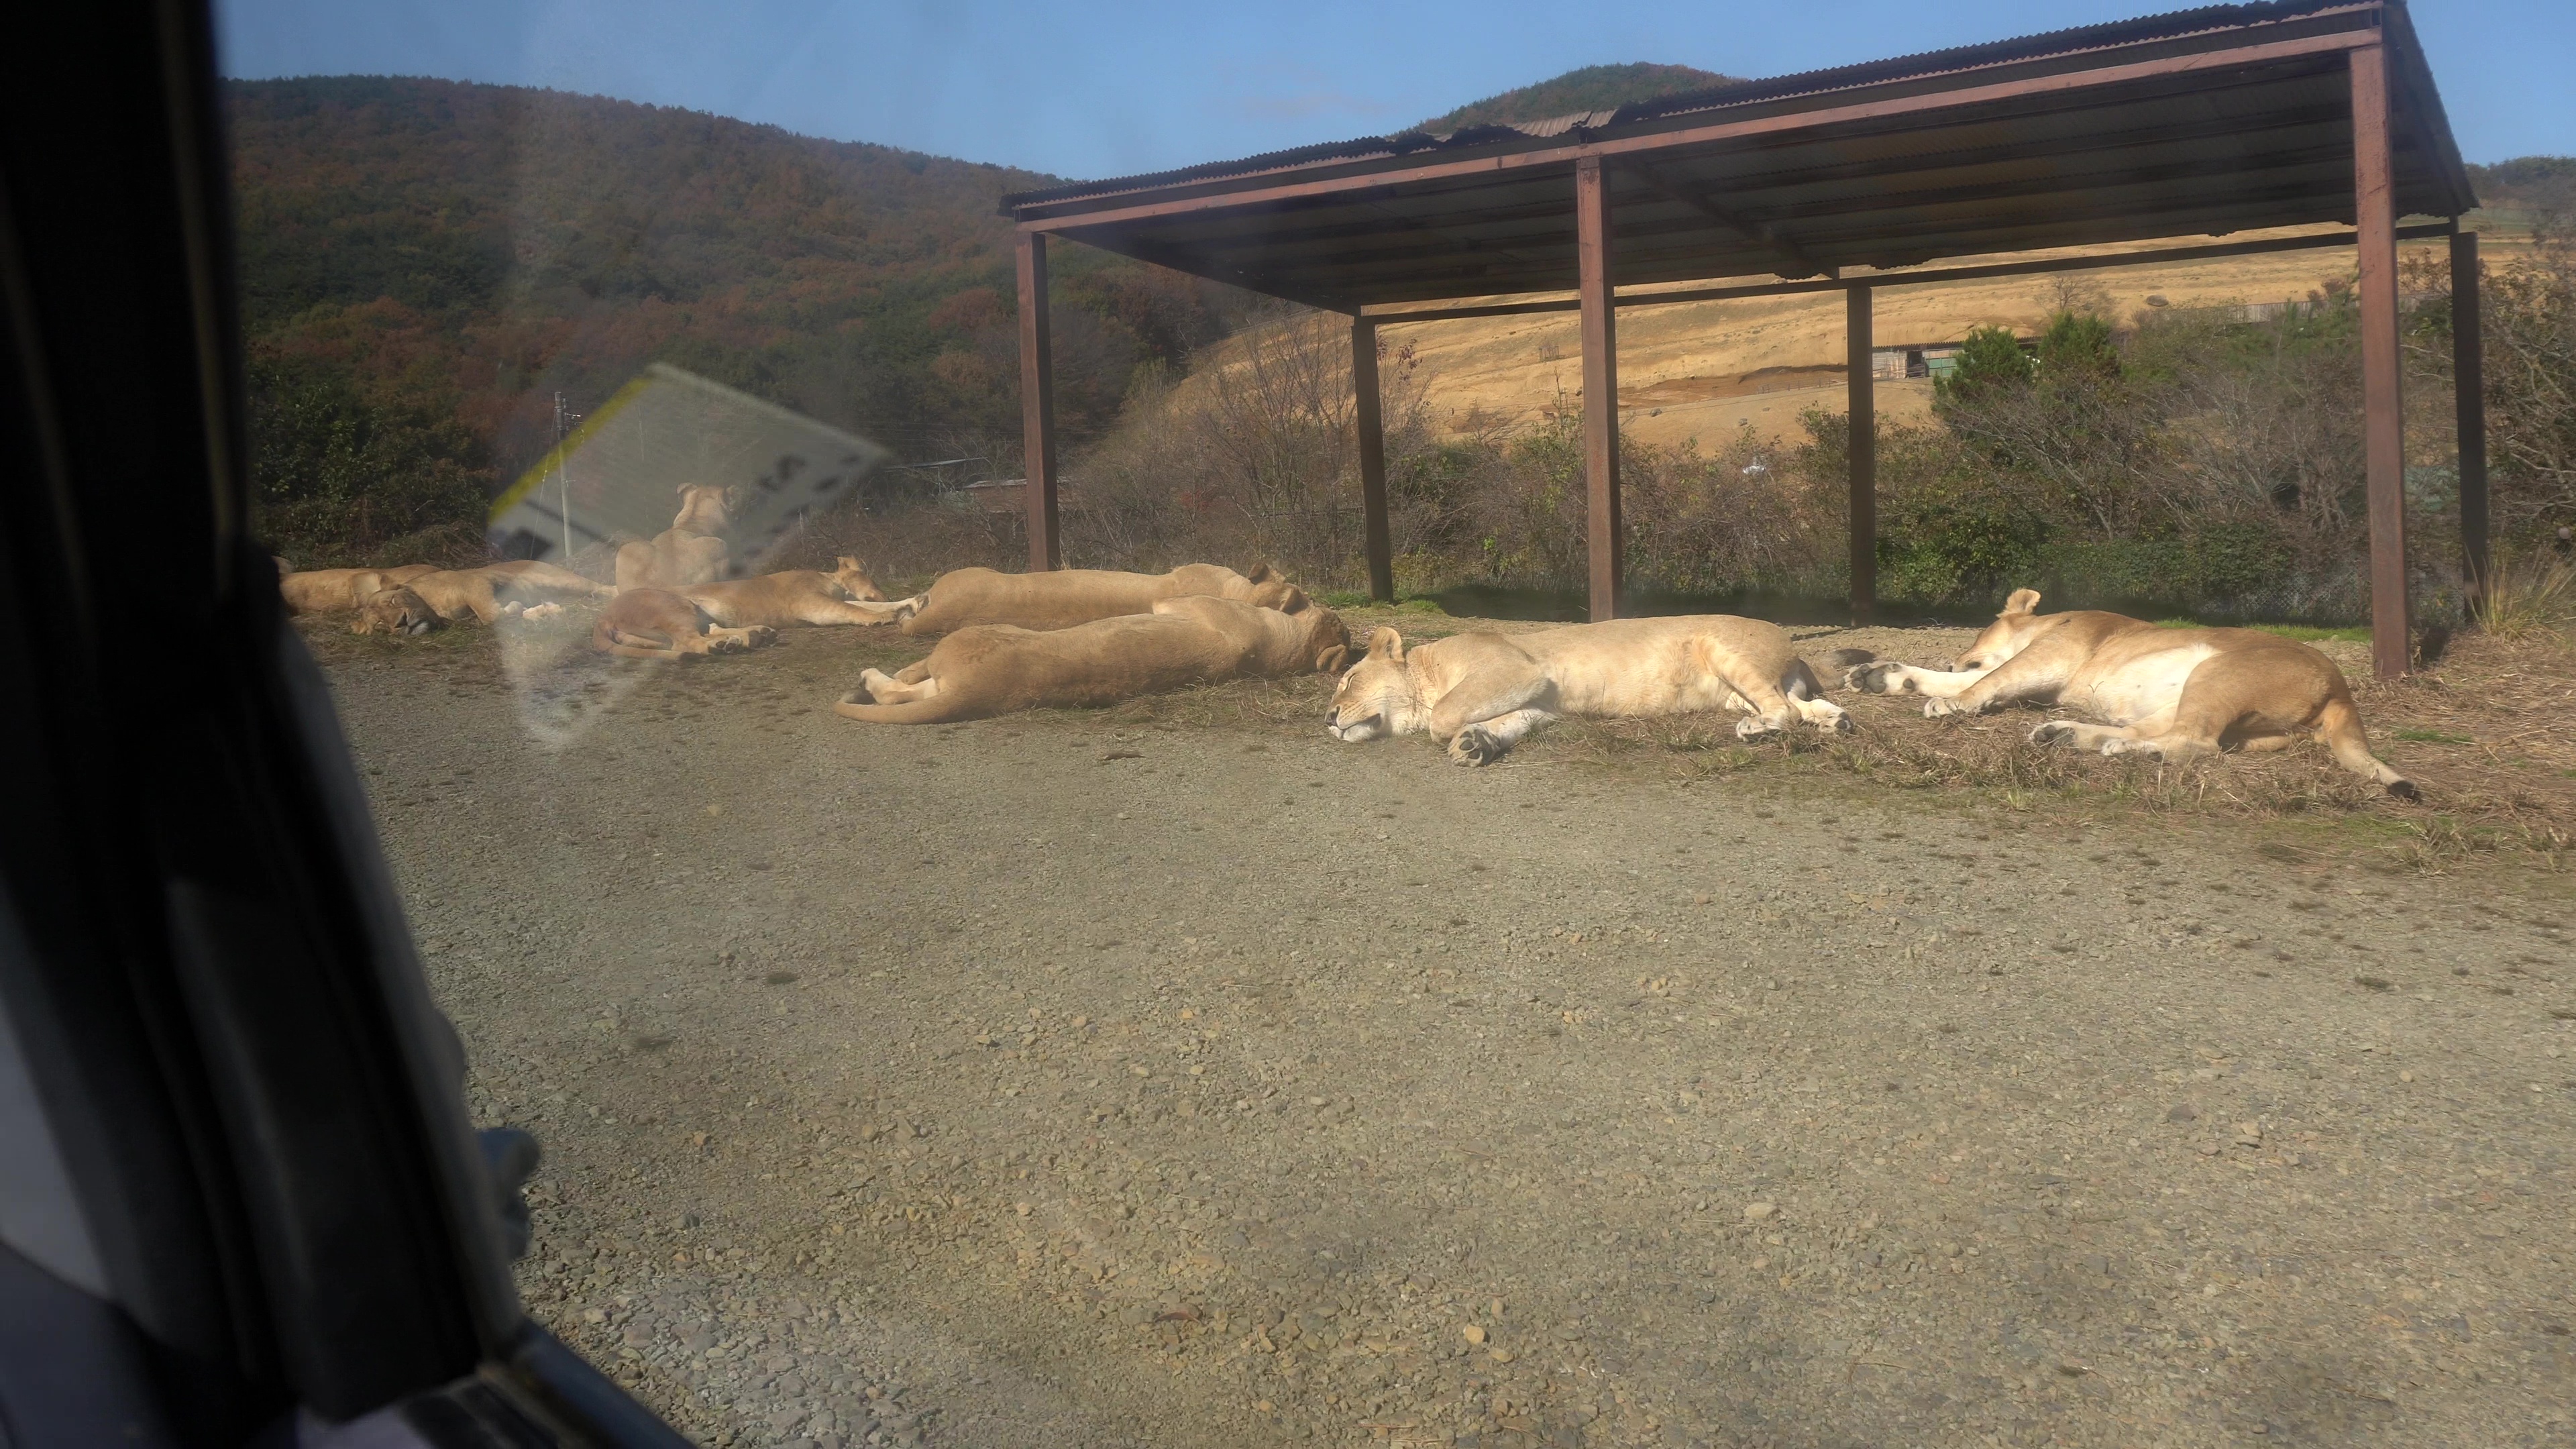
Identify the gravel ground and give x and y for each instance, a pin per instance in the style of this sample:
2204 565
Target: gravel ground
1088 1079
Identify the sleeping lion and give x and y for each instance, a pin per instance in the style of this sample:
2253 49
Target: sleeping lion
992 669
1062 598
2172 694
1480 693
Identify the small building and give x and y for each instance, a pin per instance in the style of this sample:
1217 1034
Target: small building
1920 359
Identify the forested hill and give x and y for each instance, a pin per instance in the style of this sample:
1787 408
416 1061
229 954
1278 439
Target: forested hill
424 263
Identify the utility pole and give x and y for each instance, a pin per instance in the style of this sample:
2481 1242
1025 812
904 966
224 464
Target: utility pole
563 474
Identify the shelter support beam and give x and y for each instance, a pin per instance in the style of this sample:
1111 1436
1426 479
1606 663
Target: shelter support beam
1372 431
1600 385
1037 404
2469 384
1859 346
2382 421
2160 256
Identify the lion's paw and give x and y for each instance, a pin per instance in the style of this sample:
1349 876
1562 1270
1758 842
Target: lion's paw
1940 708
2055 732
1882 677
1843 724
1752 730
1475 745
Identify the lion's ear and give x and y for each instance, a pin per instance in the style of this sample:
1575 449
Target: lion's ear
2023 601
1333 660
1261 573
1383 640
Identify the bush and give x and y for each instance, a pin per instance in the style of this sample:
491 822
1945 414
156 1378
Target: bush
336 474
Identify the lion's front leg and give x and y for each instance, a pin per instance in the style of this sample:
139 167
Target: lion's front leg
1490 702
1886 676
2034 676
1489 740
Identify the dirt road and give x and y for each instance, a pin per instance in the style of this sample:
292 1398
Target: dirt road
1074 1079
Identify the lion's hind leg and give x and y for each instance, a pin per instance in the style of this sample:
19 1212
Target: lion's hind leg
646 644
731 640
1767 704
914 683
1824 714
2165 735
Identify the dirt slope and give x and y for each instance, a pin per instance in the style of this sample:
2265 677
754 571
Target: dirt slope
1704 369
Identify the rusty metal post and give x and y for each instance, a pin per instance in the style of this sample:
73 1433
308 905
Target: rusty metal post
1372 429
1600 385
2382 422
1863 394
1037 405
2469 395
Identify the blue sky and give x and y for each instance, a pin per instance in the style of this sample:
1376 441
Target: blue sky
1105 89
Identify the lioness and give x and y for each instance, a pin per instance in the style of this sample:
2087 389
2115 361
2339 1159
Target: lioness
659 624
802 596
2169 693
691 551
1481 692
1062 598
990 669
497 591
320 591
396 611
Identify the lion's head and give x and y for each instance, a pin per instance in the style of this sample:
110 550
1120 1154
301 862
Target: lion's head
1328 639
2003 638
396 611
1377 697
704 508
852 576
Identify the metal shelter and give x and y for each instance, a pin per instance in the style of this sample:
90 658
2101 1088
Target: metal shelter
2204 122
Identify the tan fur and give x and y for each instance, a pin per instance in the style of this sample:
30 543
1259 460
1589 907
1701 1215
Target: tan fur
498 591
659 624
332 591
1480 693
531 576
990 669
805 596
2172 694
396 611
691 551
1062 598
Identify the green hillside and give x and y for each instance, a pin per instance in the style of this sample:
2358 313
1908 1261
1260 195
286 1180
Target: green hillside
425 263
1592 88
2528 188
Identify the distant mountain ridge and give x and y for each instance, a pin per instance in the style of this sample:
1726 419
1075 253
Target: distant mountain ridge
1590 88
431 261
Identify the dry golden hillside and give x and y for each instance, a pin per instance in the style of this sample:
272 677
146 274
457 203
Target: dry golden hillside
1704 369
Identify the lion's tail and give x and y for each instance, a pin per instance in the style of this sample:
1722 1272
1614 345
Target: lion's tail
856 705
2339 725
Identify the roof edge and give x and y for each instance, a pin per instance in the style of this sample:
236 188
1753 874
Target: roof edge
2171 25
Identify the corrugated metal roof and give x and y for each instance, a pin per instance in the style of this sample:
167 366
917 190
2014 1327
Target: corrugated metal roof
2167 26
2108 133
